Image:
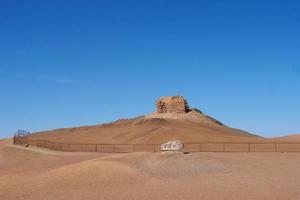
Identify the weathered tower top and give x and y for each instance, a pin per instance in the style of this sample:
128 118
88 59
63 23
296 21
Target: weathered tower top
171 104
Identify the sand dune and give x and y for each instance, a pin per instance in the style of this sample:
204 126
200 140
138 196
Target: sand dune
35 174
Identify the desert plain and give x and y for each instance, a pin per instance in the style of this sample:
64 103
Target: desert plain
41 174
33 173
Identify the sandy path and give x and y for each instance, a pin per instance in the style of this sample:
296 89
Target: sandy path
38 174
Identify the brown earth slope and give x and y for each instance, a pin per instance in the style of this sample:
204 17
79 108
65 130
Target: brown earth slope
193 126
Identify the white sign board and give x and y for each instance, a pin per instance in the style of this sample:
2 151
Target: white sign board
172 146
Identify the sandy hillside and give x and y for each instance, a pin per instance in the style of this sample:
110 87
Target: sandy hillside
39 174
193 126
288 138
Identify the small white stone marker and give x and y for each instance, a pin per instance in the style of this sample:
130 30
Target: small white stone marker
172 146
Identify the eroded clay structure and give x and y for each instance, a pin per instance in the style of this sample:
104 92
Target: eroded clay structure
171 104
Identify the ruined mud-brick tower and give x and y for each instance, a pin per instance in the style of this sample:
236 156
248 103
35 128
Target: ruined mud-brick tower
171 104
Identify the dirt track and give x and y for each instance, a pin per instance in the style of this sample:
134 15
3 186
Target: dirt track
38 174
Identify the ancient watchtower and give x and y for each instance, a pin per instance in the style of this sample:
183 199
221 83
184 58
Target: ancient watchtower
171 104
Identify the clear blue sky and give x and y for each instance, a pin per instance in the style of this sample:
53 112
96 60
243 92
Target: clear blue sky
72 63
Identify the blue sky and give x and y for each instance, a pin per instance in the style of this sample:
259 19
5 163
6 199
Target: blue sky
73 63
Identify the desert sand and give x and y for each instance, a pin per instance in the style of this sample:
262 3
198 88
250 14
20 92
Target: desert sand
40 174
